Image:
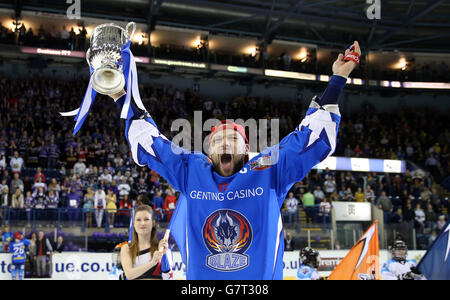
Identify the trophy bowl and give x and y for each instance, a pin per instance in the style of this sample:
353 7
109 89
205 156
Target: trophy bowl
105 58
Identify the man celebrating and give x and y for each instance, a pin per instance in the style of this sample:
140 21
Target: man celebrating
227 223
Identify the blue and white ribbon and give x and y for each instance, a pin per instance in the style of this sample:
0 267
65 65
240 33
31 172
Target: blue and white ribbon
131 83
130 228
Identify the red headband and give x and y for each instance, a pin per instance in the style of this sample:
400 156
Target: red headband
225 124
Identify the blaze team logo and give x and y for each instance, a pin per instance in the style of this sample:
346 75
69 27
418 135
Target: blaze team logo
227 235
262 163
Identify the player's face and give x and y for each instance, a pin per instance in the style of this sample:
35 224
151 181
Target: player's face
400 253
143 223
227 151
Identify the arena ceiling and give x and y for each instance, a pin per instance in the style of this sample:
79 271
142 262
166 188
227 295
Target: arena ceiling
404 25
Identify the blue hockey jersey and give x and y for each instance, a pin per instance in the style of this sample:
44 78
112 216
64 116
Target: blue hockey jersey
18 251
306 272
231 227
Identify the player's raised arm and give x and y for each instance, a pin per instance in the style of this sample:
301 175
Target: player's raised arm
150 147
315 138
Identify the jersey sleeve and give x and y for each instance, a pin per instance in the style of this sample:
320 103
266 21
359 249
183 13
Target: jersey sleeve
151 148
387 273
309 144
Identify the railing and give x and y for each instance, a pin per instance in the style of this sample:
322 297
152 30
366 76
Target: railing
65 217
318 234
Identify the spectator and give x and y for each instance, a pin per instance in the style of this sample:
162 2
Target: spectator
419 219
16 183
426 194
16 163
17 199
52 205
158 203
60 245
32 253
2 162
43 156
324 211
397 217
141 187
28 205
318 194
43 250
409 214
335 196
430 217
53 153
88 206
4 203
169 204
432 237
348 195
440 223
40 200
54 186
73 202
291 206
39 185
359 195
79 168
308 202
289 243
39 175
64 38
124 188
124 207
99 206
111 207
106 177
385 204
329 185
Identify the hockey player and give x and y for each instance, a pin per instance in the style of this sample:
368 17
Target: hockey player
310 261
230 226
400 268
17 248
117 272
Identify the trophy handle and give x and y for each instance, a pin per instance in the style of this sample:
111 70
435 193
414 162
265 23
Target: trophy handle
127 29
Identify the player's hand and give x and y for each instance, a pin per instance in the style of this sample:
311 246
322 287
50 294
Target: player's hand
116 97
416 271
342 67
407 276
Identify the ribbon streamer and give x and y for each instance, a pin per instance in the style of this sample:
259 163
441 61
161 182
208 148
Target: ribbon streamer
132 88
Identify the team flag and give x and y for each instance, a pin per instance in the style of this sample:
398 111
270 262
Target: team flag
435 264
178 229
362 262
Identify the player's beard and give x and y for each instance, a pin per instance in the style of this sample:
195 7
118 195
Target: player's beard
228 164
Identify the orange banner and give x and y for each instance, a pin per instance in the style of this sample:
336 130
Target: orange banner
363 260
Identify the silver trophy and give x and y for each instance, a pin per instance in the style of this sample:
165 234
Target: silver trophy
104 56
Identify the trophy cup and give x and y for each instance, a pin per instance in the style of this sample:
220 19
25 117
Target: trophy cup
109 56
104 57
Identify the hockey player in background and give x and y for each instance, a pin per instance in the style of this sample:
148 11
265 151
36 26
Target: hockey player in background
227 223
400 268
310 261
117 272
17 248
